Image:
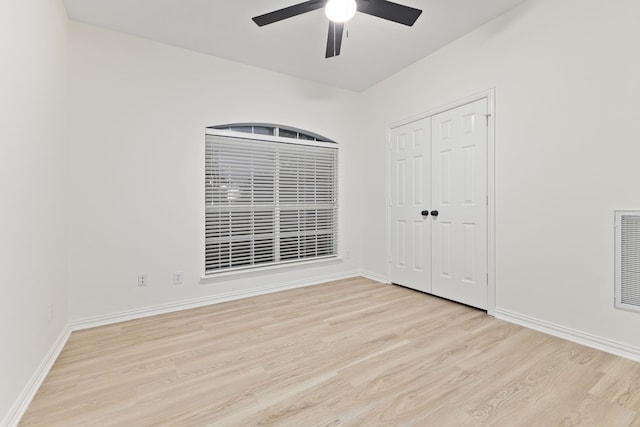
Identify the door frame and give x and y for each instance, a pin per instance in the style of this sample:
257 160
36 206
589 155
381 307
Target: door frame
489 95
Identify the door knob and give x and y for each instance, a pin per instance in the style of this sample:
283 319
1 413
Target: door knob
424 213
434 213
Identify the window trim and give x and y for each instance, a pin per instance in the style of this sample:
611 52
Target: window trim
260 270
278 266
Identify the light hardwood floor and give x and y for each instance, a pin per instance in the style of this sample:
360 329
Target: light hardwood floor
346 353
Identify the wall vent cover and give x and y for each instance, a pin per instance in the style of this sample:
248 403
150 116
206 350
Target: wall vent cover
627 269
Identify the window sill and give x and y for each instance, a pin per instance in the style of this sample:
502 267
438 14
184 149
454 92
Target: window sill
271 269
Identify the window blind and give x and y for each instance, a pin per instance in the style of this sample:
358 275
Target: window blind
268 202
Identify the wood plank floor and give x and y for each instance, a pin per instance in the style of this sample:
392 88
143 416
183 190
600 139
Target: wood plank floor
346 353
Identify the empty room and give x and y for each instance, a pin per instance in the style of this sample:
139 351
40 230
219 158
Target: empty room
320 213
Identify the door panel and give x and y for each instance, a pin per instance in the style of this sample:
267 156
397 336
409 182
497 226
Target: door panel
459 159
410 163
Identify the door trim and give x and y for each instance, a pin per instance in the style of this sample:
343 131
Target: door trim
489 95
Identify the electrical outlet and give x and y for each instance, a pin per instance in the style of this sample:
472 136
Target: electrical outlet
177 278
142 280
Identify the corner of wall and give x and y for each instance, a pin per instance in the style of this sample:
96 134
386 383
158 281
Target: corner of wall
12 418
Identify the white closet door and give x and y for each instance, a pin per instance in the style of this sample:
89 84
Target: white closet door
410 233
459 179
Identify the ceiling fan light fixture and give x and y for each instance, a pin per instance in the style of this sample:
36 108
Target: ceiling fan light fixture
340 10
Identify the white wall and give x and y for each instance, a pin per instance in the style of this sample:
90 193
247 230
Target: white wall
567 92
139 111
33 159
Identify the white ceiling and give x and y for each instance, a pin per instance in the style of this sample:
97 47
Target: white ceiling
374 49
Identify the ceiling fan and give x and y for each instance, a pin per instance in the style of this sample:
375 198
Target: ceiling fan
340 11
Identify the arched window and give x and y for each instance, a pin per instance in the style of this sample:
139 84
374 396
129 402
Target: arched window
270 194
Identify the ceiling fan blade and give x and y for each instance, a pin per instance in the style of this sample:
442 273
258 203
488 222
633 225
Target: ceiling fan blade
334 40
288 12
390 11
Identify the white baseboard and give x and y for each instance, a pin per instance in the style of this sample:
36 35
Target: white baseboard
593 341
374 276
122 316
12 418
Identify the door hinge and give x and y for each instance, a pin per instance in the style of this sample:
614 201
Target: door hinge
487 116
